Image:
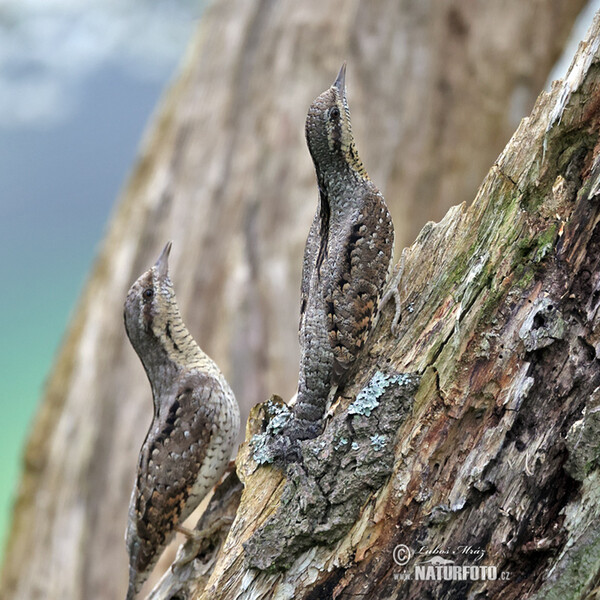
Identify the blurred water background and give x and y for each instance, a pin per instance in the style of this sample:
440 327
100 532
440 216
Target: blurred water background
79 80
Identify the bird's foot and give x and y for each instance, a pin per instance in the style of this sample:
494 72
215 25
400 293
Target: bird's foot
392 291
201 534
197 537
395 294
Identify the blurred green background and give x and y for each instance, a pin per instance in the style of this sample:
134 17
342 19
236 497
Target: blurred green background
79 80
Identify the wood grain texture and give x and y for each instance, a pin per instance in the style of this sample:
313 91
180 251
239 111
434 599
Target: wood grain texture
436 89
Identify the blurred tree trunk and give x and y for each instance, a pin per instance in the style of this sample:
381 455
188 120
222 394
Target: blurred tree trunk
435 89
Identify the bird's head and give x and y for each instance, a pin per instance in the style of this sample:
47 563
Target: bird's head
329 131
150 302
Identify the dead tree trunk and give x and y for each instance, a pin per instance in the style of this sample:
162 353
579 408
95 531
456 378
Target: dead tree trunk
463 459
225 173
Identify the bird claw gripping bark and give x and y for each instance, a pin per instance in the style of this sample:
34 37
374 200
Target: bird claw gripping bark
392 291
194 427
196 537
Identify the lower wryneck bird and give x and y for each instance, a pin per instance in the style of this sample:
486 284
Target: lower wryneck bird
195 424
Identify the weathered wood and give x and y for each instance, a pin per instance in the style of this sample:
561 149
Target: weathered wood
224 172
496 457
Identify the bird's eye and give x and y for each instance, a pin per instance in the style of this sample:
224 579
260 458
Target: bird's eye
148 293
334 113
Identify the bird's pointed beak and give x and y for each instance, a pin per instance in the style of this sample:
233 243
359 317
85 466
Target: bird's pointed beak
162 264
340 82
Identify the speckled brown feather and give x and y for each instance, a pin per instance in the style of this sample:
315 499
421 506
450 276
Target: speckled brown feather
347 260
357 286
193 430
169 464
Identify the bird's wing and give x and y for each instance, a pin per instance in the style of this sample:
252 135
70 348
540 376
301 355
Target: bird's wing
308 265
170 460
359 278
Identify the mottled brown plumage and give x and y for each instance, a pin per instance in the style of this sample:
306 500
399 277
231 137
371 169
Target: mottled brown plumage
347 260
195 423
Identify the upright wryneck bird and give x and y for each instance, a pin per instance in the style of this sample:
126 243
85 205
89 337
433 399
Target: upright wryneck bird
347 259
194 428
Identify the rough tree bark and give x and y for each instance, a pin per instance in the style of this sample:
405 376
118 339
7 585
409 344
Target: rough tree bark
435 89
474 436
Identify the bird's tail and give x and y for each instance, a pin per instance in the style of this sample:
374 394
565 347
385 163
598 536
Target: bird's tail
134 586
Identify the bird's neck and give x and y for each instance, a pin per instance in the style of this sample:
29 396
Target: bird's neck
340 170
171 350
339 182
